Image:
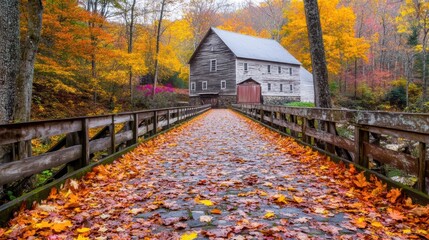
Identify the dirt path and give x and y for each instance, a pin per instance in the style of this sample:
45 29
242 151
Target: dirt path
223 176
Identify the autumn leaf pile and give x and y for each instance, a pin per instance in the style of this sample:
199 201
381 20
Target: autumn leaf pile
222 176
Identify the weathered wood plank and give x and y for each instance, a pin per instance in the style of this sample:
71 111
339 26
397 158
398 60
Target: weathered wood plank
397 159
13 171
12 133
123 118
331 138
420 137
99 144
99 121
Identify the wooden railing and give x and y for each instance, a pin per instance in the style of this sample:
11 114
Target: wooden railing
77 147
318 128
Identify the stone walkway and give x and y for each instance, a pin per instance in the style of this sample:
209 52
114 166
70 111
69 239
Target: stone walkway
218 176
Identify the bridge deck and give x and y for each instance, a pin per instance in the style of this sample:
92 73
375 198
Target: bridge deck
223 176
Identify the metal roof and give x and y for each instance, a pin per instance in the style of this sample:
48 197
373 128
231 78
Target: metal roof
245 46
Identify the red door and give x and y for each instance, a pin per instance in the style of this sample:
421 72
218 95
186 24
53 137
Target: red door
249 93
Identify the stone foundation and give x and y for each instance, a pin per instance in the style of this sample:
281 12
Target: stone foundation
225 101
217 102
279 100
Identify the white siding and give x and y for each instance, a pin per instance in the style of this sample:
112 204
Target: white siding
257 70
307 86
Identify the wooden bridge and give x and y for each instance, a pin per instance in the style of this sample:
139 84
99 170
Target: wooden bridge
353 137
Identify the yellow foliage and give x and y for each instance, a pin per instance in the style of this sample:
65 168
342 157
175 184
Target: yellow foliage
339 38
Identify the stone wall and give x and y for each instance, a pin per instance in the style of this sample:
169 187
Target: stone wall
222 101
279 100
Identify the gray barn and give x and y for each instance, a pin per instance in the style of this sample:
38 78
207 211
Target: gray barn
224 59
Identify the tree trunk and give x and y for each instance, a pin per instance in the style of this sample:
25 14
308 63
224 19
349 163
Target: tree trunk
130 50
28 55
318 59
9 64
424 53
158 37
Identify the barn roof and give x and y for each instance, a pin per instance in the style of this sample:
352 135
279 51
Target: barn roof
249 47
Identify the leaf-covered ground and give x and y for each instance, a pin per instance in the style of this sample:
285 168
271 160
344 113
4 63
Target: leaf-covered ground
222 176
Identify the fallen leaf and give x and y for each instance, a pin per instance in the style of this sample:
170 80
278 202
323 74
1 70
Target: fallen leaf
360 222
206 202
189 236
43 224
83 230
395 215
393 195
81 237
216 211
298 199
61 226
376 224
206 218
269 215
360 180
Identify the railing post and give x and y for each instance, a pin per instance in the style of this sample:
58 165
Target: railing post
304 129
421 175
330 128
112 135
168 118
361 137
178 115
155 122
84 140
135 128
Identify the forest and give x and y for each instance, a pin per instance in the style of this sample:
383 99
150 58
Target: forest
100 56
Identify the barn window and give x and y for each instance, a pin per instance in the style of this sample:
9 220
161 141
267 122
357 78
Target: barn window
280 69
213 65
290 72
281 87
223 84
269 68
269 86
291 88
245 67
204 85
192 86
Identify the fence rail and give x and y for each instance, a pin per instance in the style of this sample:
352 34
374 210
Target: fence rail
76 148
318 128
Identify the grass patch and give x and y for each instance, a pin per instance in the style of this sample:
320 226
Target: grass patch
299 104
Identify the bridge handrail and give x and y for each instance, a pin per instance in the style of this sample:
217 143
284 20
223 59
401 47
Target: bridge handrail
79 147
301 123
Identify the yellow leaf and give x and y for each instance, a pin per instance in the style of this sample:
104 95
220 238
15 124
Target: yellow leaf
43 224
280 198
189 236
269 215
81 237
360 222
206 202
298 199
61 226
406 231
376 224
83 230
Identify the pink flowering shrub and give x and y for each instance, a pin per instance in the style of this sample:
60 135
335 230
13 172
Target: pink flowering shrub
164 96
148 89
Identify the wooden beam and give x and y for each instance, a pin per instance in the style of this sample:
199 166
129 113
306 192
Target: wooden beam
13 171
